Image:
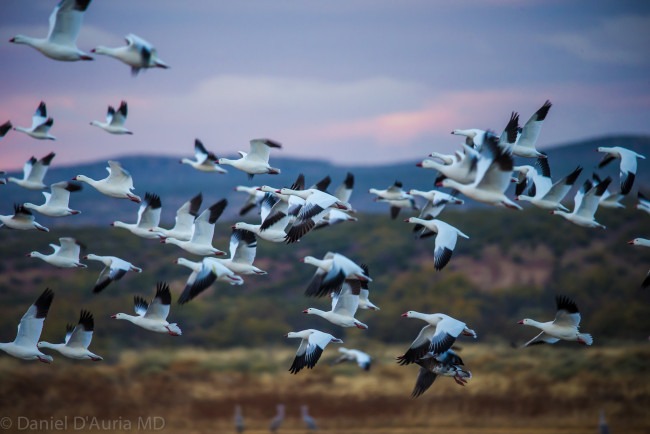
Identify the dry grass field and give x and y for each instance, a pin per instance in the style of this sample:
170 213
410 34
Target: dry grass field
557 389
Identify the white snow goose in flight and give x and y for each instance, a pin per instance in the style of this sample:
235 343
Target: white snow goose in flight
315 208
118 184
343 311
608 199
200 242
311 347
628 164
643 203
331 272
256 162
493 173
138 54
22 219
436 337
342 193
56 202
114 120
585 205
394 192
447 364
203 274
204 161
114 269
446 239
362 359
148 218
525 144
274 220
436 202
545 195
564 326
243 246
185 216
539 174
29 331
475 137
77 339
41 125
65 256
5 128
33 173
254 199
61 40
462 169
153 316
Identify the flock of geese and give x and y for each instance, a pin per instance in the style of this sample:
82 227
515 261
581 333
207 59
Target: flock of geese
482 170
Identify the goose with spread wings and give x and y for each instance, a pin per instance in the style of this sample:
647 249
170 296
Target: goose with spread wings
243 247
563 327
22 219
331 272
345 306
447 364
77 339
436 337
138 54
204 161
200 242
57 201
61 41
153 316
184 220
114 120
255 162
64 256
41 124
585 205
33 173
148 218
446 239
311 347
29 331
627 167
117 184
114 269
204 273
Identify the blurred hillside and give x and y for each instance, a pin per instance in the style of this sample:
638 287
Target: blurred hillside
176 183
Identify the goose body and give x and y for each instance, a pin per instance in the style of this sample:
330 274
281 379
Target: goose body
204 161
436 202
585 205
436 337
118 184
446 239
41 124
447 364
77 340
628 164
200 243
153 316
256 162
114 120
243 246
64 256
394 192
359 357
138 54
185 216
331 272
33 173
114 269
22 219
462 169
148 218
203 274
312 344
549 196
29 331
608 199
492 176
525 144
61 40
563 327
56 202
342 314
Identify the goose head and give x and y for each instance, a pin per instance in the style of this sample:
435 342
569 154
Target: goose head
525 321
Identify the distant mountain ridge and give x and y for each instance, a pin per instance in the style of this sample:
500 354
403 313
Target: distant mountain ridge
175 183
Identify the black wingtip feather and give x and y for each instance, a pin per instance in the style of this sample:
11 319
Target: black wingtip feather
299 183
73 186
196 288
87 321
140 303
323 183
543 166
163 293
573 176
48 159
216 210
4 128
543 111
602 186
564 302
349 181
441 258
628 182
153 200
43 303
195 204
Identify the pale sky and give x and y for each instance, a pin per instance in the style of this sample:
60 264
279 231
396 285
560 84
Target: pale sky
353 82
